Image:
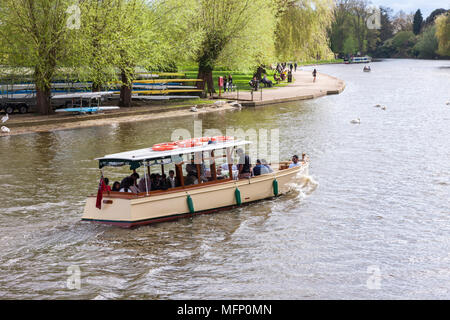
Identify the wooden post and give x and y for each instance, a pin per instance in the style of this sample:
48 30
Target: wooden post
198 173
162 169
230 161
179 172
213 167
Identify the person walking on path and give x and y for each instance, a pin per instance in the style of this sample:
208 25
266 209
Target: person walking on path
295 66
314 73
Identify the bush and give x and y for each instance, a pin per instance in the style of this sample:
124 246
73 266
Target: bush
427 44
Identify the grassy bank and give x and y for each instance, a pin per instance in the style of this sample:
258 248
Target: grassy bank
313 62
240 79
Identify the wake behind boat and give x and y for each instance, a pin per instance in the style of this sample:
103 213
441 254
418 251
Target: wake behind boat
192 188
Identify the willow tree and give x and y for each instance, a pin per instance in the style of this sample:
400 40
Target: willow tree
225 23
35 34
93 46
302 29
442 34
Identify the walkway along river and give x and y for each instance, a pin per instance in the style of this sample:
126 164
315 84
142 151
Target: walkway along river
377 226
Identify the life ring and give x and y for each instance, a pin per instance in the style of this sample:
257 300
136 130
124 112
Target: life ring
188 143
223 138
165 146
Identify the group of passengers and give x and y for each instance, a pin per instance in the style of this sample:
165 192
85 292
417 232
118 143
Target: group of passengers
156 181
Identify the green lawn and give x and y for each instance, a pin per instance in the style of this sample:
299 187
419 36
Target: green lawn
240 79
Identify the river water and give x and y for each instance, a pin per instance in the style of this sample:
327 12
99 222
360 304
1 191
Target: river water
377 226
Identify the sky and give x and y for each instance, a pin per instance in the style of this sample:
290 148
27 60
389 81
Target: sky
425 6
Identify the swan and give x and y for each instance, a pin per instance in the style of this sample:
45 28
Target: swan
236 104
383 108
5 118
5 129
194 109
219 103
356 121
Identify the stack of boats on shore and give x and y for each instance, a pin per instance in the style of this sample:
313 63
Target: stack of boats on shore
215 193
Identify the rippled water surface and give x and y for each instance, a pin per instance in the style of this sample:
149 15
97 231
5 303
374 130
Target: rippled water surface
381 207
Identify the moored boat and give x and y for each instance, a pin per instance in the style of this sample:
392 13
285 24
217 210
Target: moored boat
211 189
365 59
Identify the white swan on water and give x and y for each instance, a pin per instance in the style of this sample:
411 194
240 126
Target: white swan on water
356 121
194 109
5 129
5 118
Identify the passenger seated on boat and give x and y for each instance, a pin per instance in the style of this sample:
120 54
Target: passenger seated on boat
190 179
219 174
257 168
116 186
295 162
244 165
164 182
125 185
226 168
172 180
266 166
142 187
134 185
108 187
154 182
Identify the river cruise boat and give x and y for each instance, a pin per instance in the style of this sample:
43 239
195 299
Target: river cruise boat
205 181
365 59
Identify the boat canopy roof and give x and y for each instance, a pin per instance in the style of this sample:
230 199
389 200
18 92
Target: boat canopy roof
137 158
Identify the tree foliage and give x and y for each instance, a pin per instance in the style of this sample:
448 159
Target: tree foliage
417 22
301 31
442 34
34 35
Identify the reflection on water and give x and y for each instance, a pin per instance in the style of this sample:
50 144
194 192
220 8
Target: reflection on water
382 200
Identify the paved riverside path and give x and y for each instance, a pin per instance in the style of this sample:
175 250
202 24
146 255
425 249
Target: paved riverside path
301 89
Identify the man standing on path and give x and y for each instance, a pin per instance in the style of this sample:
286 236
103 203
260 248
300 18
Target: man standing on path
295 66
314 73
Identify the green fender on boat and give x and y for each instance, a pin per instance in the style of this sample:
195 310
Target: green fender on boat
275 187
237 194
190 204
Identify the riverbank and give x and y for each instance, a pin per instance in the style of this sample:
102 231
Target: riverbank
301 89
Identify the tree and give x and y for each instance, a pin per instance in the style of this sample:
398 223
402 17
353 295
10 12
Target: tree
359 10
417 22
301 32
93 46
339 28
433 15
427 44
223 23
35 34
387 29
442 34
402 22
403 42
